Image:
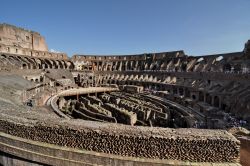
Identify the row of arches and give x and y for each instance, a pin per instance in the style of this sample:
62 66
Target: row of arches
155 83
180 64
235 68
23 62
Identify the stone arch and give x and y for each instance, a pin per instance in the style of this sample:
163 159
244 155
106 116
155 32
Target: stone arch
24 66
11 59
181 91
3 56
208 99
15 58
48 63
35 65
216 101
44 65
23 60
117 66
70 65
32 62
183 67
237 68
59 63
131 65
174 90
54 64
39 63
64 64
20 59
41 79
227 67
153 66
193 96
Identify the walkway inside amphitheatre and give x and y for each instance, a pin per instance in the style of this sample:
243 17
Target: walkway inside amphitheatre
164 108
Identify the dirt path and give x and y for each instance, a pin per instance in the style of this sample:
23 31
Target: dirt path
245 157
245 151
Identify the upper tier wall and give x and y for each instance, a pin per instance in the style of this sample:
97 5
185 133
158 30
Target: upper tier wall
146 56
14 36
32 53
155 56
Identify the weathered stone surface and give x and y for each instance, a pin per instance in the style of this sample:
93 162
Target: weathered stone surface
162 143
202 89
14 36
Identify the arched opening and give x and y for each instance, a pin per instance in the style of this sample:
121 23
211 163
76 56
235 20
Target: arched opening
41 78
123 67
193 97
24 66
181 91
237 68
227 67
201 96
54 65
64 64
208 99
117 66
216 101
4 56
183 67
60 64
223 106
175 90
48 63
154 67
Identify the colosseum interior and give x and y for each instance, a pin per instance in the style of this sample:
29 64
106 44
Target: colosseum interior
164 108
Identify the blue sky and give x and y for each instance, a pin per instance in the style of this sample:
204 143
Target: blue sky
107 27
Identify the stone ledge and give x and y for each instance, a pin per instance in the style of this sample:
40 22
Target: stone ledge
191 145
57 155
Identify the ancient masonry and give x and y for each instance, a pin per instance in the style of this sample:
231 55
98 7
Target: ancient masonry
163 108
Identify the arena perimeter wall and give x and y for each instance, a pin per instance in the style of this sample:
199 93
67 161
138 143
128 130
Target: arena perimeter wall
77 142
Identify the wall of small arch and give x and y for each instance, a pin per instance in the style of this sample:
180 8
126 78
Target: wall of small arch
24 62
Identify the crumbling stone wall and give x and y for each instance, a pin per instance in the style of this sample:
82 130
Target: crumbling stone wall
157 143
14 36
122 115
